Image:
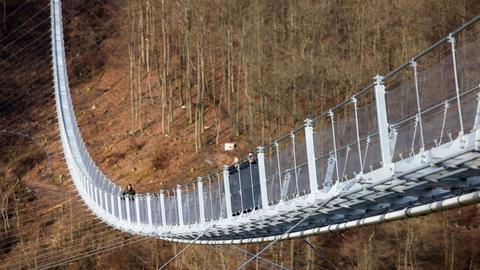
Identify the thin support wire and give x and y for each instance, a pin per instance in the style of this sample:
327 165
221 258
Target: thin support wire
185 248
279 171
288 231
354 100
330 113
419 110
320 253
451 40
261 258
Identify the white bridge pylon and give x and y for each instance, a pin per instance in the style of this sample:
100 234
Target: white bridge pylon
404 146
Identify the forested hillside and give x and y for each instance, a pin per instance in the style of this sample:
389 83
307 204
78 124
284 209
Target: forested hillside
160 85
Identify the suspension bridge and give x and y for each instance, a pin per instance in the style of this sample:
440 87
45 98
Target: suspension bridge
397 149
404 146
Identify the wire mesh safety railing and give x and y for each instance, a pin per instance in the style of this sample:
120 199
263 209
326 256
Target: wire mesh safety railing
433 100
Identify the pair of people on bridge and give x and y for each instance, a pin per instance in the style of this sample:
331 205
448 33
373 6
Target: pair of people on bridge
244 185
128 192
237 166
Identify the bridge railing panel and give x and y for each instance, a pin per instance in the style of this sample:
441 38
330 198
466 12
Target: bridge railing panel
208 198
186 202
116 206
106 201
132 209
244 186
403 114
288 181
143 209
123 207
250 186
468 68
438 99
100 198
171 208
214 197
371 155
190 203
468 57
347 154
243 178
195 204
256 192
324 151
156 210
272 174
423 103
222 209
235 183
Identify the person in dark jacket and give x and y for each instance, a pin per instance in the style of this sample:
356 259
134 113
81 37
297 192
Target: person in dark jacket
232 169
252 158
129 192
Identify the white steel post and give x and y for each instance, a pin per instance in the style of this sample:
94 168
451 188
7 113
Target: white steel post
382 121
149 209
179 203
312 167
226 187
262 176
162 208
201 204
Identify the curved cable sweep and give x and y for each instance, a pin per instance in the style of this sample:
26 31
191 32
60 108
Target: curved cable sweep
366 161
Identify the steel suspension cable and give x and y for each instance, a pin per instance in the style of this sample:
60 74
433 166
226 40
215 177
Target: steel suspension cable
287 231
18 27
320 253
186 247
